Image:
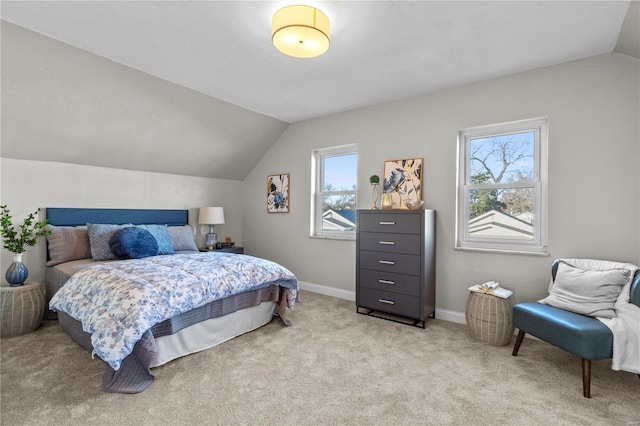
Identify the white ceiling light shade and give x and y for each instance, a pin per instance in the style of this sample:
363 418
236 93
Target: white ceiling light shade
300 31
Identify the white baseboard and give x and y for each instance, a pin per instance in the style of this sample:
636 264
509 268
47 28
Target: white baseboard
442 314
451 316
328 291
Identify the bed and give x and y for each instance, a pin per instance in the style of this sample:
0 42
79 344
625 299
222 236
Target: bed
169 301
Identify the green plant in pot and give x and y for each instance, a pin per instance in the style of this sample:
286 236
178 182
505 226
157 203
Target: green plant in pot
17 241
374 180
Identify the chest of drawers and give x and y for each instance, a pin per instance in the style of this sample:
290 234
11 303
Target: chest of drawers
395 263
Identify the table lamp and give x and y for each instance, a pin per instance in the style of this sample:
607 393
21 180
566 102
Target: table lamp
211 216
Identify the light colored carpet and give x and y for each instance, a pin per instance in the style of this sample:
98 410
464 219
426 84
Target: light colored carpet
332 367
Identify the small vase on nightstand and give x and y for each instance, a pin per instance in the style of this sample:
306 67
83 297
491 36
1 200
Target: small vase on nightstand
17 272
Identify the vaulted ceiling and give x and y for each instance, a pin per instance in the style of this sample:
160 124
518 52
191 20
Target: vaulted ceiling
380 50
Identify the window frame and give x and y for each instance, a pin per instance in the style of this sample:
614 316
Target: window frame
317 191
538 245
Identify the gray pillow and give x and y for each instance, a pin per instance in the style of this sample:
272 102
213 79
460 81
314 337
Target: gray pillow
182 238
67 243
585 292
99 236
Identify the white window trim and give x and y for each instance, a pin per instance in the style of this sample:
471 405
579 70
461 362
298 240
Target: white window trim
540 185
317 184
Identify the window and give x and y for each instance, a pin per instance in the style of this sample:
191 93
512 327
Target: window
502 187
334 177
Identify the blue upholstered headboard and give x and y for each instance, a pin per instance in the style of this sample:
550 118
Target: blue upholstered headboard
81 216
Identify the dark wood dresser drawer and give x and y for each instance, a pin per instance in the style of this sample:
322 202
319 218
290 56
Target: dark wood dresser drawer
393 303
395 264
390 281
390 262
389 222
390 243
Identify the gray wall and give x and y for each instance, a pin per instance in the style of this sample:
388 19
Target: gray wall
27 185
60 103
593 110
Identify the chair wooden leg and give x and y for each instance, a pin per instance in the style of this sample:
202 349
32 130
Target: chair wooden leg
586 378
516 347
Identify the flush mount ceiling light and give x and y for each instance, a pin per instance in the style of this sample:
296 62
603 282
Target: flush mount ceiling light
300 31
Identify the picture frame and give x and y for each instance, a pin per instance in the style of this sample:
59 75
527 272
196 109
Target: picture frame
278 197
403 182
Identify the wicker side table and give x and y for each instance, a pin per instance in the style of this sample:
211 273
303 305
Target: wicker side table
489 318
22 308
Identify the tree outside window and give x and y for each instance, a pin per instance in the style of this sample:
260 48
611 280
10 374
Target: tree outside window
502 187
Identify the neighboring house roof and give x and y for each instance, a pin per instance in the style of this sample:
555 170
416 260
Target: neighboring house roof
526 217
495 224
339 220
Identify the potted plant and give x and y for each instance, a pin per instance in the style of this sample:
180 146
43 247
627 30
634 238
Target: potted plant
17 241
374 180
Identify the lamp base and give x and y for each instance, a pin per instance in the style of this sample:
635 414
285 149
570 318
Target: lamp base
210 240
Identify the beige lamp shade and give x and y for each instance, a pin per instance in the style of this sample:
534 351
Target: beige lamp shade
211 216
300 31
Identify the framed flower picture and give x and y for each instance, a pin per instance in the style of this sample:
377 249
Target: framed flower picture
278 193
403 181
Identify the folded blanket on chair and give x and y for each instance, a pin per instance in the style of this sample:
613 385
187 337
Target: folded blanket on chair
625 326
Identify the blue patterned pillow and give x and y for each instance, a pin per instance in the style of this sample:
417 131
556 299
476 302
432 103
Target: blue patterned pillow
99 236
133 243
161 235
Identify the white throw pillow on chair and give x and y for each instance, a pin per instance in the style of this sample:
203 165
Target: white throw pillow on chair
586 292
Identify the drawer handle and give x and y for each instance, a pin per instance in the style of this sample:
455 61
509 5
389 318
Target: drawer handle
387 223
387 282
387 243
388 302
387 262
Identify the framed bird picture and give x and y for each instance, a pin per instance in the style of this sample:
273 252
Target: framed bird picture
278 193
403 181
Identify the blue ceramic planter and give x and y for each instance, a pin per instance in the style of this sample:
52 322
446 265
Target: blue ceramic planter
17 272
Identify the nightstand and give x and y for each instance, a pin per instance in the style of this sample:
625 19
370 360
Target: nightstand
236 250
489 318
22 308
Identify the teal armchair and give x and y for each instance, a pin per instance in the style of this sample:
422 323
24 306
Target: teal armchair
578 334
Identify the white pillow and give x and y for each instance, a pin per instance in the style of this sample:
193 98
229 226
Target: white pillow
586 292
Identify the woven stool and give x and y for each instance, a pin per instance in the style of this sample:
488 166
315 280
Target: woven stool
489 318
22 308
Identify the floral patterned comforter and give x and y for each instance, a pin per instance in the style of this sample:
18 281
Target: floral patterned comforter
117 302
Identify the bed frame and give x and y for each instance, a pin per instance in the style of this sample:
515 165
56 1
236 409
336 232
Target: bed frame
82 216
191 339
